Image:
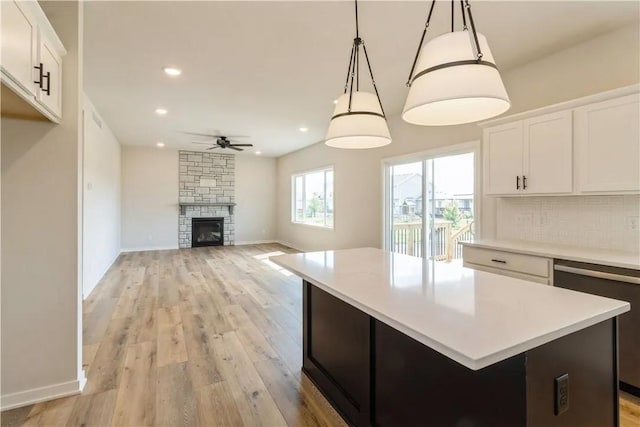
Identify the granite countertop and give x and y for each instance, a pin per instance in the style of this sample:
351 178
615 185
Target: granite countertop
473 317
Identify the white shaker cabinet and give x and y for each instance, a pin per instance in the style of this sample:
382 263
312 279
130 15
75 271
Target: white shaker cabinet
608 146
503 151
19 47
548 154
50 95
532 156
31 62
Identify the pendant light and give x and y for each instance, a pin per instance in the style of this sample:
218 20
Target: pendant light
358 120
454 78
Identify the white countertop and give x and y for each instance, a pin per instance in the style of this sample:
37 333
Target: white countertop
571 253
473 317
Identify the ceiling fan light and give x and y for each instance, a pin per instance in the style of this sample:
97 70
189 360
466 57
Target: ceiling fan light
456 93
364 127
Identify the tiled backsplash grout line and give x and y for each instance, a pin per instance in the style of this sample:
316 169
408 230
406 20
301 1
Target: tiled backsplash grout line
598 222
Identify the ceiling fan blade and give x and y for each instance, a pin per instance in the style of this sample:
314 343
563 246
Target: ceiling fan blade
242 145
234 148
211 135
212 148
203 143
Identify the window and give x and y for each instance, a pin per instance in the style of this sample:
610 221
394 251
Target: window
312 198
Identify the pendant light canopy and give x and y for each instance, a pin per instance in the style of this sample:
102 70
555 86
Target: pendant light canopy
454 78
358 120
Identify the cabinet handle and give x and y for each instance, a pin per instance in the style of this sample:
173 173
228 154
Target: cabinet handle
524 182
518 182
41 73
48 89
500 261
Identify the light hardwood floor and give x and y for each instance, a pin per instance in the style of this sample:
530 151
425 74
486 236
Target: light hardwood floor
197 337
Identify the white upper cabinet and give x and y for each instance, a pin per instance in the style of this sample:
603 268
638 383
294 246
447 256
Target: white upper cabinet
548 154
586 146
532 156
608 146
31 62
19 46
503 152
50 94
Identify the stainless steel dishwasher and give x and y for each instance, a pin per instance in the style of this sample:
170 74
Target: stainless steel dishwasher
618 283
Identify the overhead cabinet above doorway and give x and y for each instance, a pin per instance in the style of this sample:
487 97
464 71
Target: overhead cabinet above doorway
587 146
31 63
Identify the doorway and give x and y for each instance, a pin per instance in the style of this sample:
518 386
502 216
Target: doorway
430 203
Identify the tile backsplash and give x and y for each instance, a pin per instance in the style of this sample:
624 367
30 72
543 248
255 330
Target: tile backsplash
599 222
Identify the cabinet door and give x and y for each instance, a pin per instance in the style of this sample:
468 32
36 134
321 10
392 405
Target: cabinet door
548 154
50 96
608 146
503 159
18 47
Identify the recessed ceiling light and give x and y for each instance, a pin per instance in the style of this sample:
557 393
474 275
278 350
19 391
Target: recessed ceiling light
335 101
258 152
161 111
173 72
303 129
159 144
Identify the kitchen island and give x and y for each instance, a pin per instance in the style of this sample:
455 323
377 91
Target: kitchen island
394 340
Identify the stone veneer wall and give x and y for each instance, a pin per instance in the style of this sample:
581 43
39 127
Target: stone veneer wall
208 178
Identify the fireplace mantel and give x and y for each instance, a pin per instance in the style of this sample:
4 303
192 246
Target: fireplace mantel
183 206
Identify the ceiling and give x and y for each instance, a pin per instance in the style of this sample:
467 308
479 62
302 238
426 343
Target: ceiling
265 69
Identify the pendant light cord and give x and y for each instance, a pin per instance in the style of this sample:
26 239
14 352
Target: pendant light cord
473 30
424 33
353 72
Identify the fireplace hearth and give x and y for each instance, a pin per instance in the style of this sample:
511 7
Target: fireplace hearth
207 232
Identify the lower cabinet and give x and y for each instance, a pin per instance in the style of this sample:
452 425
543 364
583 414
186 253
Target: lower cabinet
374 375
527 267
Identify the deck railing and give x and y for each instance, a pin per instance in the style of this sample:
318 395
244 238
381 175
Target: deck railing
407 239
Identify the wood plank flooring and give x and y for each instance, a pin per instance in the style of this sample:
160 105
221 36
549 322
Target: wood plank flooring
197 337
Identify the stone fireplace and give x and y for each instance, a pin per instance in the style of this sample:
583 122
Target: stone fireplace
207 191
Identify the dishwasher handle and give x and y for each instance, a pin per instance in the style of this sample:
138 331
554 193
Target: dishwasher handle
598 274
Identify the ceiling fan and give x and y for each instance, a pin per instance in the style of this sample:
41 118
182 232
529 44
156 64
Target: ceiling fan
221 141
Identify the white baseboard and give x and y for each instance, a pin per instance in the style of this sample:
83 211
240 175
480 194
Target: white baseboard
84 297
254 242
284 243
149 248
41 394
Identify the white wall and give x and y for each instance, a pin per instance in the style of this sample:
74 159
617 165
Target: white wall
101 198
41 292
149 198
256 199
568 74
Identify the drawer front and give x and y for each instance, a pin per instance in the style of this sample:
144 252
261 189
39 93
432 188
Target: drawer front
526 264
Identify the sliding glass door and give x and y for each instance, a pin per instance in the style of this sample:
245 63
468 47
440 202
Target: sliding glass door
429 206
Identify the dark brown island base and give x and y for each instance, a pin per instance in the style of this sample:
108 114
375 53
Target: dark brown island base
375 375
392 341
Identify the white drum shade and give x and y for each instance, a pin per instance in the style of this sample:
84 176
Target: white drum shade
364 127
455 94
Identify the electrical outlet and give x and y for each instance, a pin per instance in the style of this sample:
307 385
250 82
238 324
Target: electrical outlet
632 223
561 394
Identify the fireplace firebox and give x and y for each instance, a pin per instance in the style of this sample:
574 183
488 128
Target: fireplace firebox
207 232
